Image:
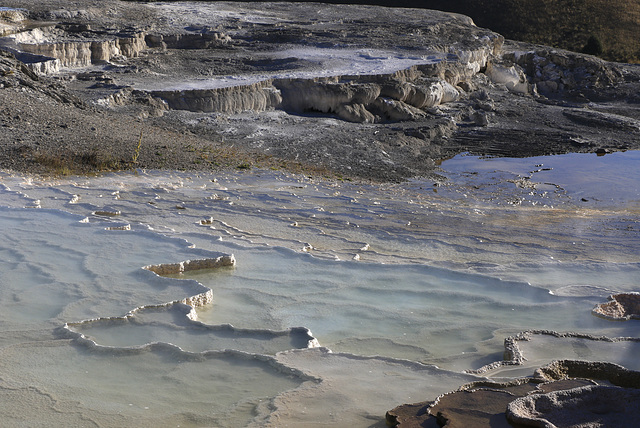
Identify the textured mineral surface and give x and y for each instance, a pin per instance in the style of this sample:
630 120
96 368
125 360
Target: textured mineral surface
589 406
359 91
350 91
623 306
563 394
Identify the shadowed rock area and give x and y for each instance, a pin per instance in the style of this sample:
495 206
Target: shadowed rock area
593 405
563 394
360 91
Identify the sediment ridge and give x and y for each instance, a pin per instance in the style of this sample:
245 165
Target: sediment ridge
186 309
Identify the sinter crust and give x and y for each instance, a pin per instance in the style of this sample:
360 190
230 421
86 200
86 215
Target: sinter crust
72 97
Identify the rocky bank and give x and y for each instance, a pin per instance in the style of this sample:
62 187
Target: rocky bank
358 91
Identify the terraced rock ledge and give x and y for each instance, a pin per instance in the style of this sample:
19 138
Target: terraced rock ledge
561 394
361 91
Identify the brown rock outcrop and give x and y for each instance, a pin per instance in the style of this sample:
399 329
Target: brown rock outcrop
620 307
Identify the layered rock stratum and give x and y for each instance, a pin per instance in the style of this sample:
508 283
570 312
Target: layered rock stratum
359 91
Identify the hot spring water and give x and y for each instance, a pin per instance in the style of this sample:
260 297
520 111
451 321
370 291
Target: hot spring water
393 279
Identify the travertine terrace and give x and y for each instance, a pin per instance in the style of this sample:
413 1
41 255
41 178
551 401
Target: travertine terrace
361 91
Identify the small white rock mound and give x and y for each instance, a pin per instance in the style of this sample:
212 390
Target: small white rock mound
512 77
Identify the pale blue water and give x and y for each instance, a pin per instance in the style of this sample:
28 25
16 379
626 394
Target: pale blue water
390 278
611 180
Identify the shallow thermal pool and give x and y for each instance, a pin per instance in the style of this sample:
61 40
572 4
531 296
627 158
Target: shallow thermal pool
346 299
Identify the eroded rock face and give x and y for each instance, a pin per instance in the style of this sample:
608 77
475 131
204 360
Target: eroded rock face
81 53
256 97
11 20
48 47
381 99
554 71
422 92
39 64
511 76
12 15
325 95
368 99
9 14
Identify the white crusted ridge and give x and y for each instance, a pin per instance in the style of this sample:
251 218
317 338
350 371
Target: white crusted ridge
189 265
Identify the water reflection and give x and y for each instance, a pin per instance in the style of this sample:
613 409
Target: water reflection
584 179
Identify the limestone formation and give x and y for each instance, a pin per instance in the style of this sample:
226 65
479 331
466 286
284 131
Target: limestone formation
423 93
80 53
12 15
324 95
256 97
562 394
512 77
189 265
355 113
308 82
364 100
396 111
594 405
620 307
11 20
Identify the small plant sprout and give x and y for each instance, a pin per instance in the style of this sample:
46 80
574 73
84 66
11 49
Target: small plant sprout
136 153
